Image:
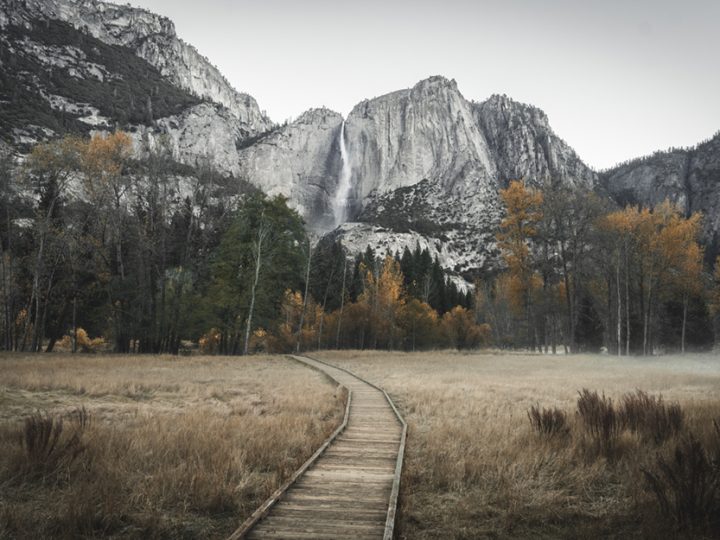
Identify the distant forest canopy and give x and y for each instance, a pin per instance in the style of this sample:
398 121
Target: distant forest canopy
101 251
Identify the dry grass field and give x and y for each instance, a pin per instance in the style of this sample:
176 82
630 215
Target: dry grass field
476 469
166 448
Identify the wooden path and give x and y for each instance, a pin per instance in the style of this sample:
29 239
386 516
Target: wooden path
349 488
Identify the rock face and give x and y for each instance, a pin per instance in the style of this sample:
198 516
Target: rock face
429 131
689 178
300 161
206 132
524 146
425 166
153 38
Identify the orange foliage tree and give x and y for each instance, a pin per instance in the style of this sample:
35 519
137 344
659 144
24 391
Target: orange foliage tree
517 230
461 330
659 251
418 323
384 295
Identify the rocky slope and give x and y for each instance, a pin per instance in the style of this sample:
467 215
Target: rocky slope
688 177
524 146
152 38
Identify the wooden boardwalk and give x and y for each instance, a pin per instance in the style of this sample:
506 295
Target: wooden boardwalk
349 488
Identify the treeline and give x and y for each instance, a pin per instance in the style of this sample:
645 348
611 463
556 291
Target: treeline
103 251
582 274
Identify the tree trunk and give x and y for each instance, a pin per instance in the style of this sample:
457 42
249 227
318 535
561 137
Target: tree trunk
74 325
646 320
413 335
619 309
570 301
627 305
304 307
342 305
34 303
6 300
322 315
684 323
262 232
6 273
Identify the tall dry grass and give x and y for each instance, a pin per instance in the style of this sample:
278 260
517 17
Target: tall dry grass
172 447
477 468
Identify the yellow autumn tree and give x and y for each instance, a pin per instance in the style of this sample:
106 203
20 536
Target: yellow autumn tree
659 251
461 330
103 160
286 336
688 281
104 155
670 249
419 324
518 228
621 228
383 294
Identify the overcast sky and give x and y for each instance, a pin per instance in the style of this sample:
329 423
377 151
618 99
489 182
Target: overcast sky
618 79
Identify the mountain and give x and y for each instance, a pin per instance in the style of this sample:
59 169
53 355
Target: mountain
688 177
422 165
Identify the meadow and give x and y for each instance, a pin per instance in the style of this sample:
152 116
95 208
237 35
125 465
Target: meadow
168 447
151 447
476 468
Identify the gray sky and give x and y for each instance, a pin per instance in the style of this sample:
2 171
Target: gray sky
618 79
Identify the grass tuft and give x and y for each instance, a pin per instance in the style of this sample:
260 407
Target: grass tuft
650 417
48 445
687 485
551 422
600 419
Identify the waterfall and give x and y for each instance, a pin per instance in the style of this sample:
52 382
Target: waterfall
342 194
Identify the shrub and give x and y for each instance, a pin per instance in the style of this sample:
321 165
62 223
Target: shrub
687 486
548 422
209 342
650 416
600 419
85 343
461 330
